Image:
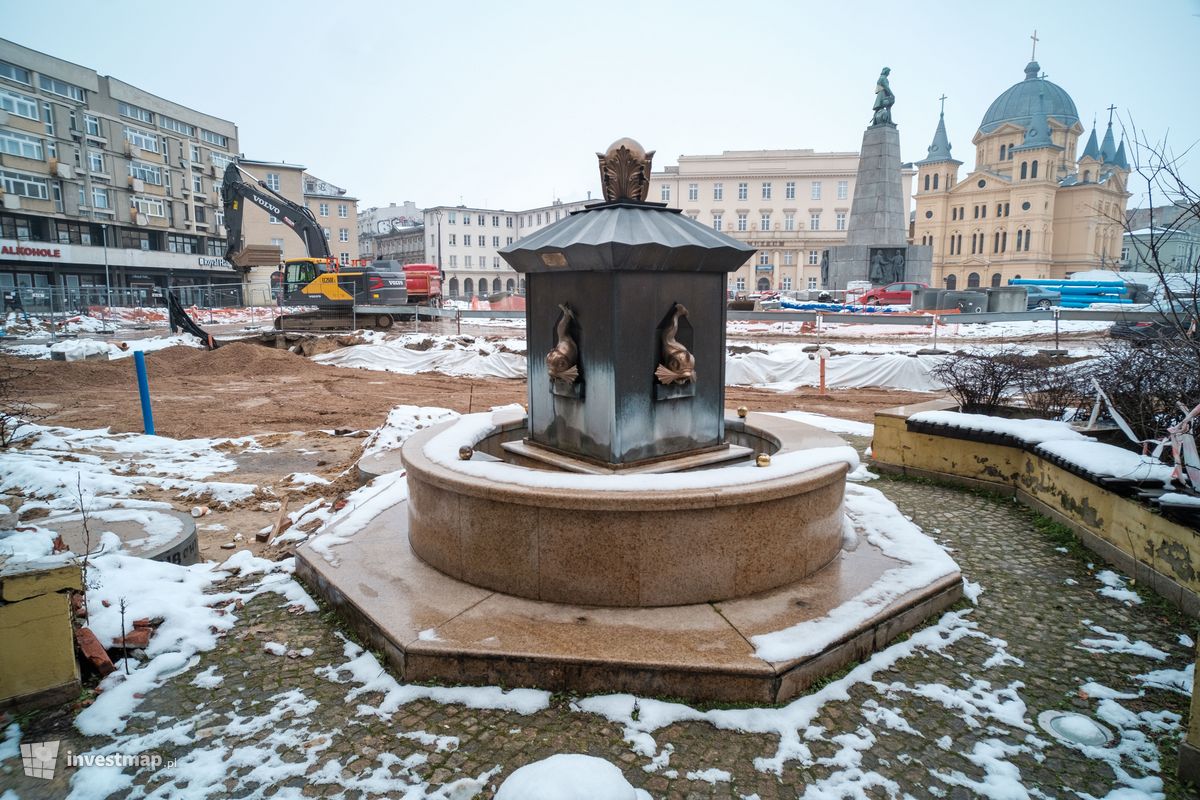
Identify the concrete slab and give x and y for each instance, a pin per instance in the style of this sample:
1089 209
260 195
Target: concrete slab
434 628
180 548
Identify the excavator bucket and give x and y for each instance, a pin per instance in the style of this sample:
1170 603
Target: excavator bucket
256 255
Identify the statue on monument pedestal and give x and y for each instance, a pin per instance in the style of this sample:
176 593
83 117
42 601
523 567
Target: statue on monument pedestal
897 271
825 270
879 273
884 99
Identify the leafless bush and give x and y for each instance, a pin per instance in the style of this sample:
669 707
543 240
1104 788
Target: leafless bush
1051 390
15 412
1147 384
980 382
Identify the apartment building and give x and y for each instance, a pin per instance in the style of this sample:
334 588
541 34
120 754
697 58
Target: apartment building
100 178
792 205
379 222
334 209
464 243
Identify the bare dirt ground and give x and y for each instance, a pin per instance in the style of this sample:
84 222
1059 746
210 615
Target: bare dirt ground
243 389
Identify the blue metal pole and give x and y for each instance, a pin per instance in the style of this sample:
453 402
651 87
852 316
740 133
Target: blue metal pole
139 358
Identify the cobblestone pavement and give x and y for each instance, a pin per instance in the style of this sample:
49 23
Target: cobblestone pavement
959 722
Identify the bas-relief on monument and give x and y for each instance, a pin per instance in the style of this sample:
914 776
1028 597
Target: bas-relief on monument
877 247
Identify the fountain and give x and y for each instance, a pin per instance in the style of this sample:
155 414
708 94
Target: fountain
625 533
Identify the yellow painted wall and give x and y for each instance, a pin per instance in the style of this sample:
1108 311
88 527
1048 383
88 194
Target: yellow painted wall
37 646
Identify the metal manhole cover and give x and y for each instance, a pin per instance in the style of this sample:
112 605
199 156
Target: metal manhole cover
1074 728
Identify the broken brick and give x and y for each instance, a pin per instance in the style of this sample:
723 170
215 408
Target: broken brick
93 653
136 639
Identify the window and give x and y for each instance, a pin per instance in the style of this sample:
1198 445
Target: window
816 190
814 221
843 190
787 283
789 221
951 281
508 223
177 243
1002 151
1028 239
219 160
466 261
60 88
451 241
974 237
812 282
452 217
142 139
150 206
787 258
344 212
495 262
133 239
214 138
1024 170
764 224
481 241
995 280
766 190
197 184
510 240
718 192
764 258
839 220
664 193
743 191
983 211
19 144
718 221
935 181
134 112
789 190
344 259
495 241
18 104
693 191
23 185
73 233
495 220
1124 252
91 125
927 183
467 240
176 125
814 257
454 263
273 181
973 280
14 73
741 284
1033 169
343 234
145 172
742 222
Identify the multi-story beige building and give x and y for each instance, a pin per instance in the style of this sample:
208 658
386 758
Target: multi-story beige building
1029 208
333 208
100 177
792 205
464 243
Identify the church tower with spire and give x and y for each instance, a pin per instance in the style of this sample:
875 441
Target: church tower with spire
1028 208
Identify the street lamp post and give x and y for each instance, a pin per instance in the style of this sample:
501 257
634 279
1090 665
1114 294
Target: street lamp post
437 213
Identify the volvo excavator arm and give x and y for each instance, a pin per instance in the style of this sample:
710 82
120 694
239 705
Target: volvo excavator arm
236 193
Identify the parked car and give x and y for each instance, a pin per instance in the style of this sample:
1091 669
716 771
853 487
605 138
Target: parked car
1041 297
892 294
1175 318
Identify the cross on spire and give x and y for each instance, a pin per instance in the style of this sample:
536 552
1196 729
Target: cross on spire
1111 109
942 99
1033 55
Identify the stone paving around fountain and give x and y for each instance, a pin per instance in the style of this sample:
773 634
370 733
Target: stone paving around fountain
950 712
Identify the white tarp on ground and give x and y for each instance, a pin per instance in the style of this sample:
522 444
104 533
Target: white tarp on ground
782 368
786 371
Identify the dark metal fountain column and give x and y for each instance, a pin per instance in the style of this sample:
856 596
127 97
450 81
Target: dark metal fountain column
625 324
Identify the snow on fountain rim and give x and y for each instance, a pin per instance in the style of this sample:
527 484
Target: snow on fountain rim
469 429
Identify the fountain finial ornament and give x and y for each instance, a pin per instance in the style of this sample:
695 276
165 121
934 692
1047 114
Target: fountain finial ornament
625 171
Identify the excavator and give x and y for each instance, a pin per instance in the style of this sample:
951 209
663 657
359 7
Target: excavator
369 293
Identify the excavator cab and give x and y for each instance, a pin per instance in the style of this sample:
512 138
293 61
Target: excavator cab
299 273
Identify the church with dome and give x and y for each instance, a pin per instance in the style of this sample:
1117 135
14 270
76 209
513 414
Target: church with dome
1030 208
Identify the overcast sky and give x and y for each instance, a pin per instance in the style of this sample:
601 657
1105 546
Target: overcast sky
503 104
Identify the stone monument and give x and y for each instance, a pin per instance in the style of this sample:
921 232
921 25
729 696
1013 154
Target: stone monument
877 247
